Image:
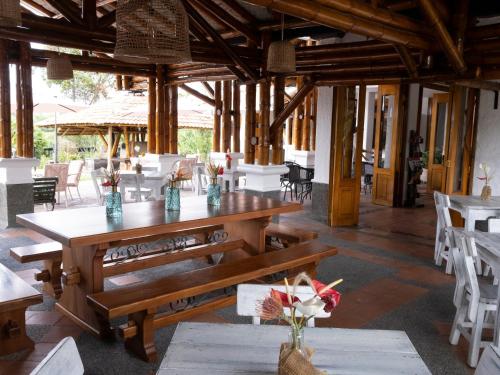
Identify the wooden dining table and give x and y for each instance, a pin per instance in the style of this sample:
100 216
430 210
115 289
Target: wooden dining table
246 349
87 235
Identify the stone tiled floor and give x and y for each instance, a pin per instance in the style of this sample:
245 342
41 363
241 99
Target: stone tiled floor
390 283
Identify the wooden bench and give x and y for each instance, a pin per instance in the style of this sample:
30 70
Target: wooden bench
15 296
141 301
288 235
51 255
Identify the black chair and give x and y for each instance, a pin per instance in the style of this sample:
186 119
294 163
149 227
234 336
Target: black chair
44 190
293 178
305 183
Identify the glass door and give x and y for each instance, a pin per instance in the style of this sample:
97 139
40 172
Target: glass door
438 143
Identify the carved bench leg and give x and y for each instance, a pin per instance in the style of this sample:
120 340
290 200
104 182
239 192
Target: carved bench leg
51 277
13 336
142 344
105 330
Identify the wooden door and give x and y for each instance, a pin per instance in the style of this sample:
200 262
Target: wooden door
386 144
438 143
345 155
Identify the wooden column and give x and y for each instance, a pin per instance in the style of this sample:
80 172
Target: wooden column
27 98
160 109
279 104
151 147
298 119
166 122
314 118
263 147
236 117
126 137
226 116
250 122
119 82
5 140
217 117
174 122
110 148
289 134
19 114
306 124
127 82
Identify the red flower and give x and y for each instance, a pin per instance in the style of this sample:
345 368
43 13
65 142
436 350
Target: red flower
106 184
283 297
330 297
221 171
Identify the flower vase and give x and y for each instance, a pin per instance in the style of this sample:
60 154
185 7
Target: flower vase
113 204
295 358
486 193
296 340
213 193
172 198
228 163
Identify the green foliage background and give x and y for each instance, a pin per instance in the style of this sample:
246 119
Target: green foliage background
195 141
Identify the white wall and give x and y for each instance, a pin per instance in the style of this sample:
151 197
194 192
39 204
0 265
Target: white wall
488 143
323 135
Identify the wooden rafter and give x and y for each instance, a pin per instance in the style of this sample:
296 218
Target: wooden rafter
221 43
197 94
241 11
35 7
407 60
107 20
89 13
68 9
209 89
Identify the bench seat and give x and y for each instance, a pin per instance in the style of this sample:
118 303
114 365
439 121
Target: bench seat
15 296
288 234
141 301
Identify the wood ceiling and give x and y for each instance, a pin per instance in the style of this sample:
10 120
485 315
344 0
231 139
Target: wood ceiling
410 40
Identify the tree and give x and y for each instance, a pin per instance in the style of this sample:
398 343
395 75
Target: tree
195 141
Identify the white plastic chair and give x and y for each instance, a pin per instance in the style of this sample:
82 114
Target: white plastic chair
474 299
444 242
489 363
64 359
134 182
249 295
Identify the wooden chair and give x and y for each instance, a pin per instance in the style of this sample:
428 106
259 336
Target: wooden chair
75 170
489 363
15 297
61 172
444 239
249 295
475 300
64 359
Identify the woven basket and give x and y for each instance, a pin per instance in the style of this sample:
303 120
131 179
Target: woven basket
152 31
59 68
281 57
10 13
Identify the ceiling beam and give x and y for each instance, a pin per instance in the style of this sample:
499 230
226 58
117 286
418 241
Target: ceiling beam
89 13
198 94
68 9
209 89
32 7
241 11
107 20
407 60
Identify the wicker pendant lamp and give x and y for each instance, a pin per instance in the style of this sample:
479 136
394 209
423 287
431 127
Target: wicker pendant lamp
10 13
281 54
152 31
59 68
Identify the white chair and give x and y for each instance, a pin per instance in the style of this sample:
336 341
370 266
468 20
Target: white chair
494 227
64 359
474 299
489 363
250 294
199 180
98 178
444 242
133 183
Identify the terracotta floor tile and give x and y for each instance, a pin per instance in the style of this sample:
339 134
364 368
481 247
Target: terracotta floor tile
42 317
426 275
125 280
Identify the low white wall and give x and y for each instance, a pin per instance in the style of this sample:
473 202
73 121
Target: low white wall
488 143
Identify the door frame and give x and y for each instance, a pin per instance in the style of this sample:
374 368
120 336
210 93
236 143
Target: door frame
437 99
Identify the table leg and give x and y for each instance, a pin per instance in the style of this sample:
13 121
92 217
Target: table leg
82 275
252 231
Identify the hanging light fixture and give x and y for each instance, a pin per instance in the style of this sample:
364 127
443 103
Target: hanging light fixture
152 31
10 13
59 68
281 54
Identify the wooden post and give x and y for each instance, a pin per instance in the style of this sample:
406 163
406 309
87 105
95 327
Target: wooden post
174 121
226 116
250 123
5 140
127 82
110 148
160 109
289 134
116 144
166 123
298 119
19 114
217 117
126 137
27 97
279 104
306 124
314 119
151 147
263 153
236 116
119 82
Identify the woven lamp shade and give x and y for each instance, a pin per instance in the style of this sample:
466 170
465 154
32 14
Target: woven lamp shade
281 57
152 31
59 68
10 13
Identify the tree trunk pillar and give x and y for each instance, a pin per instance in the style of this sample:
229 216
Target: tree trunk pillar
217 117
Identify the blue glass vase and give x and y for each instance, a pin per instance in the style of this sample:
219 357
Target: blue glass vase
113 204
213 193
172 199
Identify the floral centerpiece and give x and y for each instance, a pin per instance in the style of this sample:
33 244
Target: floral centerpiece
294 356
113 199
229 159
214 189
487 177
172 192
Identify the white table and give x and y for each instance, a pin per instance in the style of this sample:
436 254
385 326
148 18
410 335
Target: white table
488 249
153 180
244 349
472 208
